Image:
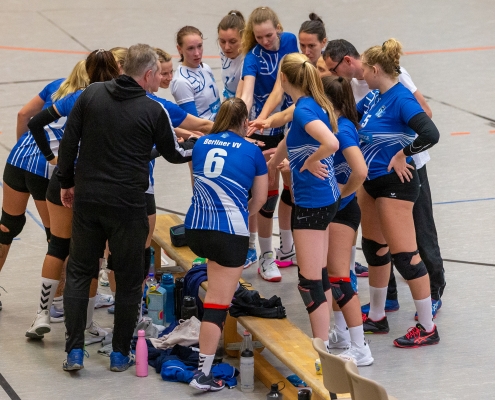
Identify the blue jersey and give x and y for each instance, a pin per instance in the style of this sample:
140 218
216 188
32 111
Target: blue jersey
309 191
224 167
263 65
384 129
348 137
177 115
26 154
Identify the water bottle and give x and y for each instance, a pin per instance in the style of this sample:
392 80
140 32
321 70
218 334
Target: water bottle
247 371
141 355
150 283
169 303
304 394
189 307
247 342
152 261
274 393
179 285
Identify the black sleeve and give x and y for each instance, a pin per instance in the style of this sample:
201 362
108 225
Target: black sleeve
428 134
69 145
154 153
166 142
37 127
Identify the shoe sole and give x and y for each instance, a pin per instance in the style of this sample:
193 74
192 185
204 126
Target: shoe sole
284 264
338 347
415 346
120 369
363 275
274 279
39 332
375 333
204 388
73 367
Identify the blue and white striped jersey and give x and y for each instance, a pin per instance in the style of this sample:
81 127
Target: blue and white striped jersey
231 74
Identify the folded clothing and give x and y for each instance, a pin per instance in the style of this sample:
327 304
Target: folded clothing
249 302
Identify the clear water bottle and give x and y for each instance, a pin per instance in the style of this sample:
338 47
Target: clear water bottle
274 393
167 283
189 307
247 342
150 284
247 371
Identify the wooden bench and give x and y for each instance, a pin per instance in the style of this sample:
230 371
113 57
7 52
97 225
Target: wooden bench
284 340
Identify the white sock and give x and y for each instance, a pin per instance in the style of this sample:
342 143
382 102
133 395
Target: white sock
265 244
378 296
286 240
340 321
425 316
58 302
252 240
47 293
205 362
353 259
90 311
357 336
326 343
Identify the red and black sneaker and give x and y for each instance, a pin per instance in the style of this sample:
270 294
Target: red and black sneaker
370 326
206 383
416 336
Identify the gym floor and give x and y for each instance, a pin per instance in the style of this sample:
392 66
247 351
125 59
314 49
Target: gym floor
449 53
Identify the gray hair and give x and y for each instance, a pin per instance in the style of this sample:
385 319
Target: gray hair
139 59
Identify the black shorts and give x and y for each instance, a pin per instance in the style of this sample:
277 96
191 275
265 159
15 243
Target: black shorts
350 215
150 204
25 182
314 218
391 187
271 142
53 191
224 248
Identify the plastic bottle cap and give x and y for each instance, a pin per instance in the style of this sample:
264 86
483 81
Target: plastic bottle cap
274 387
189 301
247 353
141 333
167 278
151 274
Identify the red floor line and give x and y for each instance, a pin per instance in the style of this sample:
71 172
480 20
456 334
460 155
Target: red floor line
459 133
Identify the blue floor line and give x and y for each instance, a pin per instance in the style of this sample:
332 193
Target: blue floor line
464 201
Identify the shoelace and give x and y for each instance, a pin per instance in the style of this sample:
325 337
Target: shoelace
412 332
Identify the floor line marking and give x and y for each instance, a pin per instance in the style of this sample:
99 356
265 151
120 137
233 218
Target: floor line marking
459 133
461 49
464 201
8 389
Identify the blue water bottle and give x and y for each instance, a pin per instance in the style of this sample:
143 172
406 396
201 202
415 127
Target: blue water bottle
169 301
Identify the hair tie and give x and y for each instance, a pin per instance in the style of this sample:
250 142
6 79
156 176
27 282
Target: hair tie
231 101
100 51
233 13
340 79
397 69
383 46
304 63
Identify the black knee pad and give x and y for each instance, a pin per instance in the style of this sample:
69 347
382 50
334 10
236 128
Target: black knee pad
312 293
286 197
342 290
402 262
14 223
147 261
325 280
370 248
215 313
48 234
269 207
58 247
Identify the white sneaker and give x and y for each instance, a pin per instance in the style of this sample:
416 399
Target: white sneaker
104 278
338 339
104 300
285 260
360 355
268 269
95 334
40 325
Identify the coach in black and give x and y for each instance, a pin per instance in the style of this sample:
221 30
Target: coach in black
113 125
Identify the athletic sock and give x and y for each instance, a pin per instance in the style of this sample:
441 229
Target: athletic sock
58 303
425 317
357 336
252 240
286 240
378 296
265 244
340 321
48 290
90 311
205 362
353 259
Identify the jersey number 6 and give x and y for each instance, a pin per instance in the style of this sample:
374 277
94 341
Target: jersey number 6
214 163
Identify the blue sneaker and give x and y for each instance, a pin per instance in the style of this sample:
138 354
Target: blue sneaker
390 306
251 258
119 362
354 282
111 310
435 306
74 360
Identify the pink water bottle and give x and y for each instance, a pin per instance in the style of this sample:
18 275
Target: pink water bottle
141 355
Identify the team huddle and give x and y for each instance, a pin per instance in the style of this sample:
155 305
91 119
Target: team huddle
347 134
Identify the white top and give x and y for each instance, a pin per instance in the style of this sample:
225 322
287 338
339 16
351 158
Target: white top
197 85
231 74
360 89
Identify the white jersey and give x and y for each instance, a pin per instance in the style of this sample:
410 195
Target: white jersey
360 89
197 85
231 74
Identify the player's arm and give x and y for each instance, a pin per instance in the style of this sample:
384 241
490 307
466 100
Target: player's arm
33 107
422 102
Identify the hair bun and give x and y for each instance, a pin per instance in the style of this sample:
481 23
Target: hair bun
315 17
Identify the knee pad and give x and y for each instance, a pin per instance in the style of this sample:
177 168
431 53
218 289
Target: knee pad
402 262
48 234
312 293
370 248
269 207
286 197
14 223
325 280
58 247
342 290
215 314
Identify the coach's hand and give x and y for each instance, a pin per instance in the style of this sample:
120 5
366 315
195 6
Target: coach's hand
67 197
